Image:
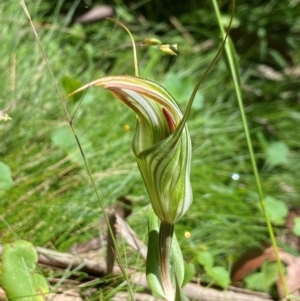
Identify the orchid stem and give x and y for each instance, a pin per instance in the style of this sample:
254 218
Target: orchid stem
165 243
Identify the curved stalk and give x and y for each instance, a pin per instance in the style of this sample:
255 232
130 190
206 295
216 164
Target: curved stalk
135 61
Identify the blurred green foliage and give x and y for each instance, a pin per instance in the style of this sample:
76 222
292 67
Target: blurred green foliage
52 202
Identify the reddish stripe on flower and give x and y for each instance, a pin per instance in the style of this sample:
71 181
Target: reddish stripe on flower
170 120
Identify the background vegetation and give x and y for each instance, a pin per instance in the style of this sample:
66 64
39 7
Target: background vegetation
52 202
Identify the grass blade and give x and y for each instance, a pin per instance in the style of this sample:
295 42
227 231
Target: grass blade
80 148
234 72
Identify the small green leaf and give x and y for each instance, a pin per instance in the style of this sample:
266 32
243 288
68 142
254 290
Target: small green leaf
296 228
256 282
219 275
19 279
69 85
6 180
270 271
206 259
277 153
276 210
189 273
263 280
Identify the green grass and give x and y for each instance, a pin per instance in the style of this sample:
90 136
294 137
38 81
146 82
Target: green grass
52 202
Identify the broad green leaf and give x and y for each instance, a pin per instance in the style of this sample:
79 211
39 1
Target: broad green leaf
276 210
6 180
296 228
277 153
19 279
206 259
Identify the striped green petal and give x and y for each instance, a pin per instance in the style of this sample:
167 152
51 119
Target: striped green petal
163 154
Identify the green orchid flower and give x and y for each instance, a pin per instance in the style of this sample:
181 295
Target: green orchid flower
161 144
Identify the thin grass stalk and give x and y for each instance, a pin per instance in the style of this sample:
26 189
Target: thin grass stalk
208 69
80 148
135 61
235 78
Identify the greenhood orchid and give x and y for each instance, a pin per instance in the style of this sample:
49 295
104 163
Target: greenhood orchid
162 148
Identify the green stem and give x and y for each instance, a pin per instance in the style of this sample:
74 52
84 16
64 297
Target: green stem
165 243
235 79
